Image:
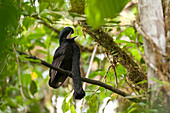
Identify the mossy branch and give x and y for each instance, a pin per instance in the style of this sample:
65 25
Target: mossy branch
135 75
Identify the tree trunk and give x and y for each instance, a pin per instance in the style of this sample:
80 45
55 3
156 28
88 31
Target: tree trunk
152 21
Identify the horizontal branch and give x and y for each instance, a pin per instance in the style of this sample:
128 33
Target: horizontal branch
95 82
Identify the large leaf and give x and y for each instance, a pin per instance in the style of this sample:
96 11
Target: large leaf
97 11
33 87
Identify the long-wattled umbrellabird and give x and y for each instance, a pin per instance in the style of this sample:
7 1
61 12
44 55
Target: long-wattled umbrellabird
67 57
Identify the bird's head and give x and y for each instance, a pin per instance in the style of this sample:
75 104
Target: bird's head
65 34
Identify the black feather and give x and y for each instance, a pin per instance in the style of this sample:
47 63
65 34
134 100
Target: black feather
67 57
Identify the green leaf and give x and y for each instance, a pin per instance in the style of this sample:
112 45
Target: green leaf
131 108
72 109
97 11
130 32
28 9
120 70
43 5
55 16
144 81
40 43
34 60
19 100
28 21
26 79
142 104
42 51
93 104
11 102
35 107
48 41
35 36
121 41
65 105
97 72
25 91
135 54
33 87
152 110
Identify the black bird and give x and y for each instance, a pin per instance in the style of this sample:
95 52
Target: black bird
67 57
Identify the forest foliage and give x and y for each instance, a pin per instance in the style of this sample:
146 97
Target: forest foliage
33 26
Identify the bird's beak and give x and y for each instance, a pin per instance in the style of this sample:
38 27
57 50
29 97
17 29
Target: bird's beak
69 35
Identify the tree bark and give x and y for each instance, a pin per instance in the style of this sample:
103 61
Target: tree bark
152 22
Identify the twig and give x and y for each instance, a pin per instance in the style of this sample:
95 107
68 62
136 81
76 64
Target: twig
106 75
88 71
46 24
90 64
114 70
113 65
19 75
95 82
104 78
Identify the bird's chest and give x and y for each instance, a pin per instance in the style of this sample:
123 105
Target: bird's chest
68 54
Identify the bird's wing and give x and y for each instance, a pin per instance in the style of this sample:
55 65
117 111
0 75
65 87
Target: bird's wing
56 78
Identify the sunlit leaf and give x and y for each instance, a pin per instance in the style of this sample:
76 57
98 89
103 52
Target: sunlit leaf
65 106
120 70
144 81
130 32
72 109
135 54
